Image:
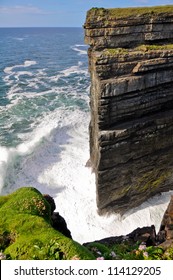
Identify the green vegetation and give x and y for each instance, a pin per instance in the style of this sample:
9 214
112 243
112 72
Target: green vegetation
26 232
141 48
115 52
128 12
127 251
152 180
146 48
125 12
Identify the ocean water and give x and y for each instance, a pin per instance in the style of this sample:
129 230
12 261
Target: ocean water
44 118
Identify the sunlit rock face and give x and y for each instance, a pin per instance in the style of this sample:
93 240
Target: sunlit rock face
131 100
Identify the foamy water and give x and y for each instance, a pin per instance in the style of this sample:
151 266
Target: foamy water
55 163
44 140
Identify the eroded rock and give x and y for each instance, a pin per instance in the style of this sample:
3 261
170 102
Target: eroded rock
131 128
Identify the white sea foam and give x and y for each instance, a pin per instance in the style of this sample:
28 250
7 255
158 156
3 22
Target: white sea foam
74 70
27 63
53 160
79 50
3 165
10 156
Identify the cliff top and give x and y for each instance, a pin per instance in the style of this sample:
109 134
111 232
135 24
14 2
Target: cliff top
115 13
129 27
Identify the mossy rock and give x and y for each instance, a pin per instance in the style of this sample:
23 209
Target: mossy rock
26 232
140 49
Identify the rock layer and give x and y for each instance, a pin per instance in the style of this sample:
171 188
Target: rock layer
131 128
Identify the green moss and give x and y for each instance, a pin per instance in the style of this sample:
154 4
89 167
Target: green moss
26 232
114 52
3 199
146 48
152 180
30 202
142 48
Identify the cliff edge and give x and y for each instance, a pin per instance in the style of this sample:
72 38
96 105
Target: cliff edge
131 128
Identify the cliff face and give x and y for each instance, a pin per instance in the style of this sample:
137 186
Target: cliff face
131 129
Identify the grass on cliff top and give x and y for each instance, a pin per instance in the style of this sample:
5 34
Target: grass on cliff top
128 12
141 48
121 12
26 232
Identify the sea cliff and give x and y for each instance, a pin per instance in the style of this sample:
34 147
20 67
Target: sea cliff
131 128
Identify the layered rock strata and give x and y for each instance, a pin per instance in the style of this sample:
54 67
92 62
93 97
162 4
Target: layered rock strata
131 128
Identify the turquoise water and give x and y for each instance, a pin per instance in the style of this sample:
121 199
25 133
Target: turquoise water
44 80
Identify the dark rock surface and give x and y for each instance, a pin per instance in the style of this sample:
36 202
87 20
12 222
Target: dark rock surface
51 202
145 235
166 229
131 128
58 222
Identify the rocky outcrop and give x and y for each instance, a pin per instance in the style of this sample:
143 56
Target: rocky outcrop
145 235
131 128
58 222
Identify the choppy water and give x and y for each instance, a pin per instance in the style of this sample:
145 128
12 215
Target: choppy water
44 117
43 87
